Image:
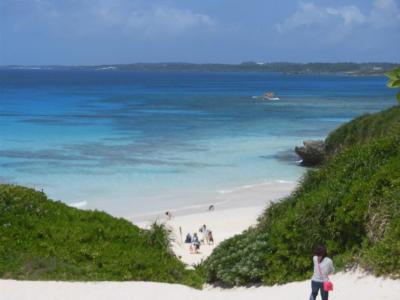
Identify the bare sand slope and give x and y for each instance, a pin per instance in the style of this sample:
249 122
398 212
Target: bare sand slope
353 285
224 221
224 224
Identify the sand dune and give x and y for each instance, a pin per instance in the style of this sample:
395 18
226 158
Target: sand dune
353 285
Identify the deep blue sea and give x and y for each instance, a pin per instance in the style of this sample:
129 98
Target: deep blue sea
131 143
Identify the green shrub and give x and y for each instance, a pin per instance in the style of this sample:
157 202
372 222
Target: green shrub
45 240
363 129
394 80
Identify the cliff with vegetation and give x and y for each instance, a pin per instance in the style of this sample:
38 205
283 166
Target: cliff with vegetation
351 203
41 239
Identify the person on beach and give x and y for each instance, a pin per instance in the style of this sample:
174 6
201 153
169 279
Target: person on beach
168 215
203 231
188 239
210 238
323 266
195 246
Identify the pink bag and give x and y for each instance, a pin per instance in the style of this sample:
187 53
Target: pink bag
328 285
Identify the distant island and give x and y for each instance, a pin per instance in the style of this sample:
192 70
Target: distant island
342 68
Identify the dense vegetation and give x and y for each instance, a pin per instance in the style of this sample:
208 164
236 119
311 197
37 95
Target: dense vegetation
352 204
394 80
364 129
45 240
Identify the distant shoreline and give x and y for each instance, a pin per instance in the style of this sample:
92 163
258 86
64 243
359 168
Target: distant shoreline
344 69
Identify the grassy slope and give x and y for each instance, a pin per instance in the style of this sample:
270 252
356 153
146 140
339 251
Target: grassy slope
47 240
352 203
363 129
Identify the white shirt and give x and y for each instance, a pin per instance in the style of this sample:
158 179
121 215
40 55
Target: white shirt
326 266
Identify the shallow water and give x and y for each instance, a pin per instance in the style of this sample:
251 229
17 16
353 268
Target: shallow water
139 142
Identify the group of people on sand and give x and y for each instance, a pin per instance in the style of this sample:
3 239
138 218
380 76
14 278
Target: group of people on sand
206 237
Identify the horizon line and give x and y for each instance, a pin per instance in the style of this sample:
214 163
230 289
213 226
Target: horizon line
260 63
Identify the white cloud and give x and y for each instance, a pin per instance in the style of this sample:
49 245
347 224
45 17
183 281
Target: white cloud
341 20
128 17
349 14
310 14
166 20
149 20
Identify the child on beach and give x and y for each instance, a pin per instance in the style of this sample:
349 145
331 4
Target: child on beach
323 266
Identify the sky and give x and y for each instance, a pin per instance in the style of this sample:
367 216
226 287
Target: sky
87 32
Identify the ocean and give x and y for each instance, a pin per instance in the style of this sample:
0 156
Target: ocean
133 143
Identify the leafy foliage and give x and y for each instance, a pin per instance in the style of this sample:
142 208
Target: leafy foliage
45 240
352 204
363 129
394 80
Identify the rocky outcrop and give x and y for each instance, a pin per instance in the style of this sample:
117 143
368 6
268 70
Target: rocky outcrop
312 153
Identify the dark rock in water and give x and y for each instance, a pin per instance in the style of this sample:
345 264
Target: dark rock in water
312 153
286 156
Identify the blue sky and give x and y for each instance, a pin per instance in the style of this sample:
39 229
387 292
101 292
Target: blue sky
222 31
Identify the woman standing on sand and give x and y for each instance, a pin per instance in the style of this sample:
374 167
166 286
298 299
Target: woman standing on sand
323 266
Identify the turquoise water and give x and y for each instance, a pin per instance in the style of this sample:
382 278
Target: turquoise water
138 142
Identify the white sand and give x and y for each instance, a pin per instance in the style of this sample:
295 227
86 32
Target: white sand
258 194
224 222
354 286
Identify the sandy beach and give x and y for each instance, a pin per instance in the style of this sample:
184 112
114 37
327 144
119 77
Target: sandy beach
352 285
223 224
224 221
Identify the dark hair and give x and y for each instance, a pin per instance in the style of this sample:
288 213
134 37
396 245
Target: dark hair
320 251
